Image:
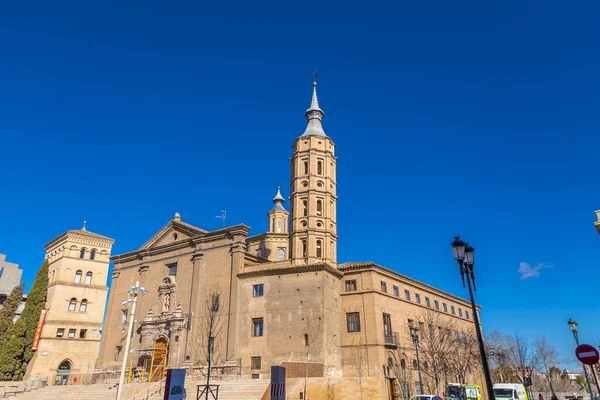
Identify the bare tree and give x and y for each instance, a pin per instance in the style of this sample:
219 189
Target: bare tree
547 356
466 357
520 355
437 346
401 369
496 344
358 361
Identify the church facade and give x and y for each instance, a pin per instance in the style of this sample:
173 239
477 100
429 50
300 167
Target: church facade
277 298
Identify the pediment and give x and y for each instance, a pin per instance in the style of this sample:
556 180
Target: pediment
174 231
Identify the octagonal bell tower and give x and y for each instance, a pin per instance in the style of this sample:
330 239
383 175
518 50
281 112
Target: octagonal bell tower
313 197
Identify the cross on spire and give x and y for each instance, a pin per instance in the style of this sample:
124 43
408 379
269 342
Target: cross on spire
84 225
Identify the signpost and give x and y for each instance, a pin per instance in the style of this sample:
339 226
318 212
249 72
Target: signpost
588 355
277 383
175 384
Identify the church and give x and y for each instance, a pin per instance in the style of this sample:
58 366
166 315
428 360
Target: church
276 298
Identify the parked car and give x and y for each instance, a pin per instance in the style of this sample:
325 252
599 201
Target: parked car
426 397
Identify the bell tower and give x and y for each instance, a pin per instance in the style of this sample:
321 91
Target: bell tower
313 197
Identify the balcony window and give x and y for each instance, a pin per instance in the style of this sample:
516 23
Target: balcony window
383 287
452 309
396 291
351 286
445 307
418 297
407 294
427 302
466 314
436 304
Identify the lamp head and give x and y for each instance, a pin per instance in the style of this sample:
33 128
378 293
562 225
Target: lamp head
458 247
573 325
469 255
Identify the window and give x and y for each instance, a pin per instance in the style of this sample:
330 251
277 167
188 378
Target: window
387 324
92 254
319 207
303 247
258 290
353 321
280 254
255 363
320 167
415 365
305 167
466 314
396 291
445 307
257 326
60 332
319 248
123 317
78 276
452 309
427 302
71 334
117 352
278 225
407 294
304 208
383 287
172 269
255 376
72 304
460 312
88 278
418 298
82 333
306 340
83 305
82 253
436 304
351 286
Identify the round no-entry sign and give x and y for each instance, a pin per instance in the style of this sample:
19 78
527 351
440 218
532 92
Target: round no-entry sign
587 354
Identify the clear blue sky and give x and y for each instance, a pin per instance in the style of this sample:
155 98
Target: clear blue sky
471 118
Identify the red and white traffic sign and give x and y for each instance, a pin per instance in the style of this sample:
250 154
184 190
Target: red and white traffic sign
587 354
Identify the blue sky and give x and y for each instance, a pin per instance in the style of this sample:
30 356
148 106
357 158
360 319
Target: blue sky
471 118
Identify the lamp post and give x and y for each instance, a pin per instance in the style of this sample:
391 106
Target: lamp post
575 329
414 334
133 295
465 257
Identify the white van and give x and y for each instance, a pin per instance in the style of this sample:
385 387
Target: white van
510 391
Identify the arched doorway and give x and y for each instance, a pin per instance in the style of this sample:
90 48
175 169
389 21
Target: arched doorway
160 358
63 375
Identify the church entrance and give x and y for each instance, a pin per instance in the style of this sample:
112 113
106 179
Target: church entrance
159 358
63 374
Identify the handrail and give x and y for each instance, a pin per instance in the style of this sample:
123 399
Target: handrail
148 394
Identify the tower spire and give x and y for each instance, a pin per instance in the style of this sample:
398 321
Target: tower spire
314 114
278 200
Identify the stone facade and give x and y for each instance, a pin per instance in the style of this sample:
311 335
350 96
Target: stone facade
75 306
277 298
10 276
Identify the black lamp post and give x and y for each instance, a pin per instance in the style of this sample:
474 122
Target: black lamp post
465 256
414 334
575 329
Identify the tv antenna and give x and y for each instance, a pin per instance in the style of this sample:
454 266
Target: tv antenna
223 217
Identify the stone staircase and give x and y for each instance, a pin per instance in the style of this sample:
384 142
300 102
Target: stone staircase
239 389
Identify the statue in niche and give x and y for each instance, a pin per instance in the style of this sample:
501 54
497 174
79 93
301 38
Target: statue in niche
167 302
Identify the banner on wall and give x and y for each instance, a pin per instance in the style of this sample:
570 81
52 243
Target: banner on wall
38 330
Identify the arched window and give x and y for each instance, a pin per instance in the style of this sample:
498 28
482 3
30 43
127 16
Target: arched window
72 304
82 253
53 272
304 248
304 208
280 254
305 167
390 363
403 364
319 248
278 225
414 364
319 167
88 278
92 254
319 207
83 305
78 276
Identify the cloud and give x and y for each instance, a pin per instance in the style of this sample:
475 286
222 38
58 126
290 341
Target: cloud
527 271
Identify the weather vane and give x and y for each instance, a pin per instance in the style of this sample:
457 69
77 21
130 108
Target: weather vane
315 74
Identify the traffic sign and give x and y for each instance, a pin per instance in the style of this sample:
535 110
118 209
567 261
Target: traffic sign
587 354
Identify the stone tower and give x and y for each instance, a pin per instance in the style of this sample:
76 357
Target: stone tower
77 272
313 235
278 216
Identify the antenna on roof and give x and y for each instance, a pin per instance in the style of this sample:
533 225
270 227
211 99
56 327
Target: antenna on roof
223 217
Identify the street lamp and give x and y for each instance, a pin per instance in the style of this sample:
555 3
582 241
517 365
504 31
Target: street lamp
575 329
414 334
132 299
465 257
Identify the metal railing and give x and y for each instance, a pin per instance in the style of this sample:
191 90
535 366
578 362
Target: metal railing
204 391
391 339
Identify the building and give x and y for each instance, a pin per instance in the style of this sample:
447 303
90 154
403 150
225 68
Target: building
10 276
278 298
77 293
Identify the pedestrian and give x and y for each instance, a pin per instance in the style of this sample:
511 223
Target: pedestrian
575 397
540 397
553 397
